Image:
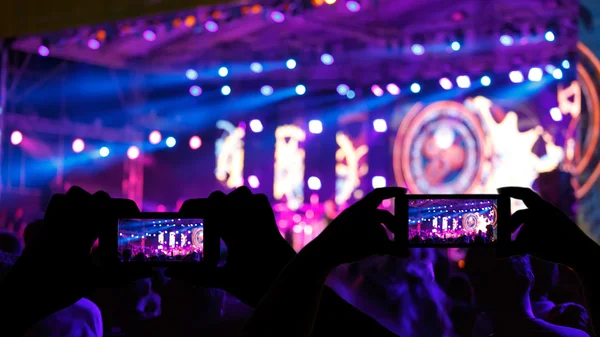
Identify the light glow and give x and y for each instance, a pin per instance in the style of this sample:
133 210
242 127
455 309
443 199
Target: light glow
314 183
378 182
463 81
535 74
171 141
225 90
253 181
256 67
256 126
155 137
556 114
104 152
393 89
486 81
229 150
223 71
516 76
300 89
195 142
289 165
417 49
133 152
342 89
351 166
266 90
376 90
327 59
315 126
380 125
191 74
16 137
415 88
78 145
445 83
290 64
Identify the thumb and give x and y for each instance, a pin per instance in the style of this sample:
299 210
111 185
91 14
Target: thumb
202 276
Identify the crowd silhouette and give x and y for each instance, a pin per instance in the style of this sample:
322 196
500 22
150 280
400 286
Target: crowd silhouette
352 279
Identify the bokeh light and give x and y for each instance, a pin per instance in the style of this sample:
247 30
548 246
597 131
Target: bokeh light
191 74
253 181
290 64
195 142
155 137
327 59
195 90
256 67
256 126
133 152
380 125
314 183
78 145
104 152
16 137
225 90
315 126
171 141
378 182
300 89
266 90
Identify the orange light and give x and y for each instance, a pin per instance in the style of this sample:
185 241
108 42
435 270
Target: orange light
177 23
190 21
245 10
330 2
256 9
217 15
126 30
317 3
101 35
461 264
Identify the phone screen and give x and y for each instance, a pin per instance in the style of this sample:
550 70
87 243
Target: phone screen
162 239
452 221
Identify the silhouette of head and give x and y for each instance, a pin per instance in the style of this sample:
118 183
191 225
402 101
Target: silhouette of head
31 232
9 243
571 315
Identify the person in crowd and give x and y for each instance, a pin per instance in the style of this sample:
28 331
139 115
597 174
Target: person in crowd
546 279
9 243
572 315
462 304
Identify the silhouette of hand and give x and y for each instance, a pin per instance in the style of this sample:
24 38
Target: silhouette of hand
357 232
543 230
256 250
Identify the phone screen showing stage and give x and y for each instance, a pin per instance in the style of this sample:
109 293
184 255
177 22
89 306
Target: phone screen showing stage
161 239
452 221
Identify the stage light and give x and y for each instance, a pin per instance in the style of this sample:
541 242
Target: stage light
516 76
463 81
314 183
16 137
550 68
189 21
253 181
225 90
266 90
256 67
315 126
43 50
93 44
566 64
376 90
300 89
350 94
330 2
133 152
195 142
486 81
507 40
378 182
195 90
342 89
415 88
277 17
444 137
417 49
557 73
211 26
308 230
78 145
155 137
290 64
327 59
256 126
445 83
104 152
535 74
455 46
223 71
556 114
171 141
191 74
149 35
352 6
380 125
549 36
393 89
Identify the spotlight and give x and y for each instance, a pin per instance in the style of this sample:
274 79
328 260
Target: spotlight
380 125
195 90
549 36
486 81
444 137
93 44
155 137
277 17
266 90
256 67
535 74
253 181
43 50
352 6
516 76
415 88
290 64
378 182
300 89
78 145
507 40
314 183
223 71
393 89
189 21
256 126
149 35
550 68
330 2
417 49
377 91
463 81
327 59
556 114
455 46
557 73
195 142
445 83
342 89
225 90
350 94
16 137
191 74
133 152
104 152
171 141
566 64
211 26
315 126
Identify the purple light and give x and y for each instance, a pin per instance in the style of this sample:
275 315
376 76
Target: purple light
445 83
149 35
211 26
393 89
93 44
516 76
353 6
195 90
253 181
377 91
43 51
277 17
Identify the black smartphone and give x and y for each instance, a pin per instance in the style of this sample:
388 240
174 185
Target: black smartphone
436 220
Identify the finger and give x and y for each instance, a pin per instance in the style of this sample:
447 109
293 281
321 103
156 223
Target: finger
527 195
193 206
77 193
384 217
517 219
241 193
374 199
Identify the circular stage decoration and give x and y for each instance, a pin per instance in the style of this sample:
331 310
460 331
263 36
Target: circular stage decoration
470 222
493 216
440 149
198 237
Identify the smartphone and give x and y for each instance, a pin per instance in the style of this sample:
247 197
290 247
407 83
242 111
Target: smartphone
164 238
436 220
